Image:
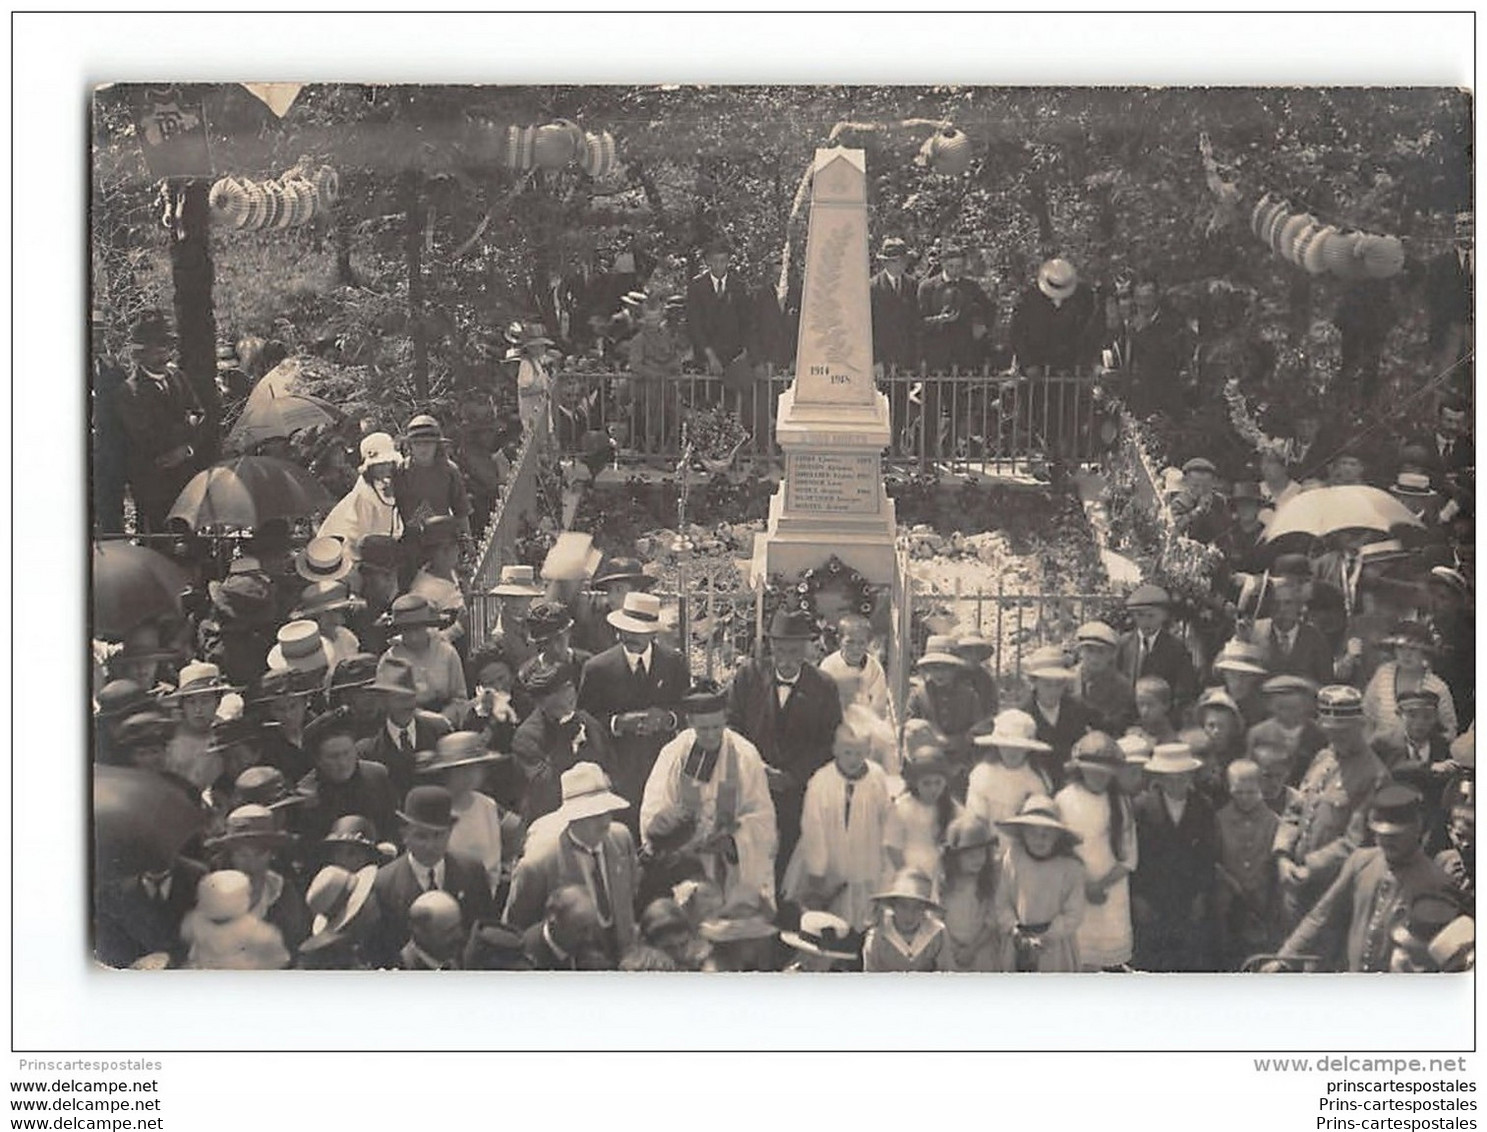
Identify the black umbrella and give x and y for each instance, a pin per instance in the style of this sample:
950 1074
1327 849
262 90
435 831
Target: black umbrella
140 820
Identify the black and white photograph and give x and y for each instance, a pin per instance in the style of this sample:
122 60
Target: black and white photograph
674 527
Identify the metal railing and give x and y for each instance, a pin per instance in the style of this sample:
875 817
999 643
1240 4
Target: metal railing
966 419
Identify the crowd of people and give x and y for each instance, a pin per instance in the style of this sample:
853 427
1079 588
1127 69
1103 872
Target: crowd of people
380 783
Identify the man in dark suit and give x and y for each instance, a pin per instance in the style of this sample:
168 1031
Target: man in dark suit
424 866
635 690
405 729
566 931
593 852
955 314
1450 451
341 783
1150 650
717 311
895 306
1177 847
1293 647
1449 296
160 416
790 712
555 736
141 915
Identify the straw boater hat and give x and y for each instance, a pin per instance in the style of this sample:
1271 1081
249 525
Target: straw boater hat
1173 758
1135 750
641 613
910 884
301 648
413 611
623 570
1048 663
326 597
251 824
1339 705
324 560
1057 279
1096 633
1382 551
459 748
1241 656
1410 634
1412 485
587 793
517 581
378 448
940 649
821 933
1013 728
335 896
200 678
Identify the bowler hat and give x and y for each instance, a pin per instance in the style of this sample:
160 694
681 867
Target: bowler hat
144 727
430 807
623 570
587 793
324 560
517 581
394 674
251 824
352 829
1395 809
641 613
266 786
546 619
458 748
799 625
301 648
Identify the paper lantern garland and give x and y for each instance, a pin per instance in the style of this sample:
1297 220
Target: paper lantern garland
288 201
1320 248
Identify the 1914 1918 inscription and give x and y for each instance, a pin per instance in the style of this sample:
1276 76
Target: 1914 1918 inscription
833 482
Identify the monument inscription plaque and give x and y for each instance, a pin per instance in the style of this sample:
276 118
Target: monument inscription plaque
833 483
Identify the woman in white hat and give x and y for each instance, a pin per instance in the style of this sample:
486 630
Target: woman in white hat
1004 778
370 507
222 933
1102 817
1039 902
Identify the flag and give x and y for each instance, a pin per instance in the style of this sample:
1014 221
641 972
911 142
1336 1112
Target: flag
278 97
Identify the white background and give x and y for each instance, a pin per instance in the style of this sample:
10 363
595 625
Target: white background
61 1004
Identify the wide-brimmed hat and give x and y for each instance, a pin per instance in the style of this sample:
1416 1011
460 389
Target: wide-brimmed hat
423 427
1339 703
1048 663
277 683
1241 656
151 328
301 648
795 625
641 613
541 677
910 884
623 570
586 793
1013 728
1147 596
243 597
357 671
201 678
1395 809
1095 748
413 611
119 698
148 725
1173 758
430 807
378 448
1096 633
324 559
517 581
266 786
940 649
335 897
326 597
892 248
251 824
546 619
394 674
224 895
458 748
739 921
1057 279
1217 697
1410 634
821 933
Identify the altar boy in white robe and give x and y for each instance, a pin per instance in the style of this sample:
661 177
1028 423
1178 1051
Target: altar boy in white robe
708 797
838 863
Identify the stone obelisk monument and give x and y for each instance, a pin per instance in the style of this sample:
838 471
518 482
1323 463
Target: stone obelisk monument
832 422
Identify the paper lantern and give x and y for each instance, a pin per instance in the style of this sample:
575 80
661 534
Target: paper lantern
327 186
257 207
553 147
597 158
228 202
302 200
1279 213
1313 251
1290 232
947 152
519 142
1259 212
1383 256
1341 255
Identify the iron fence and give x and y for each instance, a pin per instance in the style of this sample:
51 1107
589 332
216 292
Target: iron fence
967 419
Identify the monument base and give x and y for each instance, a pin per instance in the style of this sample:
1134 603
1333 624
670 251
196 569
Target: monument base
795 543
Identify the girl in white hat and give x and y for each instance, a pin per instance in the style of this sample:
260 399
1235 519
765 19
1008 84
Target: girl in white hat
1039 899
1004 779
369 508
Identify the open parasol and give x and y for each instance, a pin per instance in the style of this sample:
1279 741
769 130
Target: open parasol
131 585
1326 510
249 491
277 407
141 820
